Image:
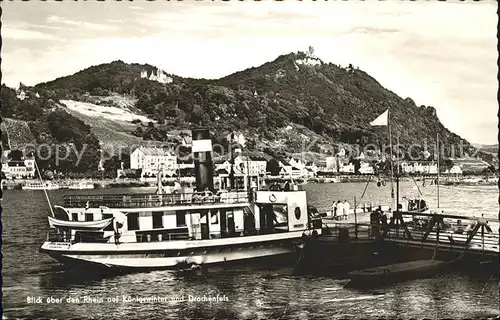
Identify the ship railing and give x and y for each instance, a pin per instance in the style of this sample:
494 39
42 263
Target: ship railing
54 236
344 231
454 232
143 237
450 236
148 235
152 200
139 237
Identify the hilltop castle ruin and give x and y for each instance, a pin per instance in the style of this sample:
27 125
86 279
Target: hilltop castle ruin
160 76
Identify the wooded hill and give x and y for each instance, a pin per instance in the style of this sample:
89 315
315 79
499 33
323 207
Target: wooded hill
281 106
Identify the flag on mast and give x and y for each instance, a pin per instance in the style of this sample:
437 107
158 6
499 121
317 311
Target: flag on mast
381 120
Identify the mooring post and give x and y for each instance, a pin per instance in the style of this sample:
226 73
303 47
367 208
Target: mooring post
355 220
437 236
482 239
395 215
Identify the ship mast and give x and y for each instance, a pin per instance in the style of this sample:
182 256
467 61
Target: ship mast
249 179
44 189
231 160
392 165
437 157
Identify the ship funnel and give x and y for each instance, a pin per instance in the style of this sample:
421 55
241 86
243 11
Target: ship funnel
202 157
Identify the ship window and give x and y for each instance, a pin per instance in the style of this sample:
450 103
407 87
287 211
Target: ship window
133 221
280 216
214 218
181 218
74 216
89 217
158 220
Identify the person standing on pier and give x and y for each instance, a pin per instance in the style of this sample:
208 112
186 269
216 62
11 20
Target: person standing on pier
340 210
334 210
346 207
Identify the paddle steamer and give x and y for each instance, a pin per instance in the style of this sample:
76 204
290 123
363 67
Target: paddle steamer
35 185
204 227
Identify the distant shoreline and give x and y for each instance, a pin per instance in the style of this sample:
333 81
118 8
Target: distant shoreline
138 183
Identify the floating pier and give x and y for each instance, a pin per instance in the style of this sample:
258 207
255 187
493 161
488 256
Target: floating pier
346 245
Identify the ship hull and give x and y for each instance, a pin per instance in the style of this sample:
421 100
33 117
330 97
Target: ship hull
173 255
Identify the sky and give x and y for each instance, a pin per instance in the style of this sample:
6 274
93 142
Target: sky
441 54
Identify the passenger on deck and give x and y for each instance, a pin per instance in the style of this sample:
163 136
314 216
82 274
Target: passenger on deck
410 205
423 205
287 186
207 195
417 204
177 187
167 189
117 233
275 187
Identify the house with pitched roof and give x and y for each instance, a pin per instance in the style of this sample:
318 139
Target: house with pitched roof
455 170
293 171
244 168
332 164
365 168
151 160
347 168
23 168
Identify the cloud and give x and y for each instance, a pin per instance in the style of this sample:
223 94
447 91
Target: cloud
87 25
16 33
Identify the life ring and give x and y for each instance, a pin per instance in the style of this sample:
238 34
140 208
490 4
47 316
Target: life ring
272 198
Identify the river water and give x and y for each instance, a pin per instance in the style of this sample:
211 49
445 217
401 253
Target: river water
244 292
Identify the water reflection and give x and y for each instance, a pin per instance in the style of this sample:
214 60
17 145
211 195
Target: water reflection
58 276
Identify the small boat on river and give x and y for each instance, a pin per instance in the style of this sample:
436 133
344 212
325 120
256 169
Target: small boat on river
395 272
80 225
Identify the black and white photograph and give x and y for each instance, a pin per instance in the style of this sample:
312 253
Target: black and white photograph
250 160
